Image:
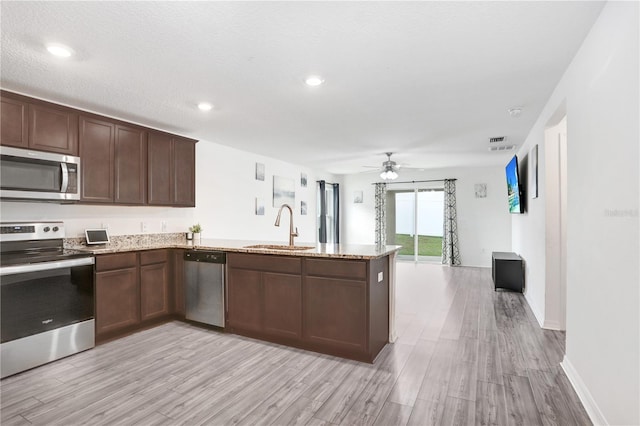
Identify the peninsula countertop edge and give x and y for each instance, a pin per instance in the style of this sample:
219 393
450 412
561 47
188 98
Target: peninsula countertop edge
331 251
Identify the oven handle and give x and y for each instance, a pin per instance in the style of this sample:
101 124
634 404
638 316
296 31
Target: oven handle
46 266
65 177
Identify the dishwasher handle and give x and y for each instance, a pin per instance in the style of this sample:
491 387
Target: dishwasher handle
205 256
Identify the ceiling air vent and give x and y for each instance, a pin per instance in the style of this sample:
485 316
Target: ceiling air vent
498 139
502 148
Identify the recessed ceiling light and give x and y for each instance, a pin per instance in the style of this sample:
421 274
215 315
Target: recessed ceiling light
205 106
314 80
59 50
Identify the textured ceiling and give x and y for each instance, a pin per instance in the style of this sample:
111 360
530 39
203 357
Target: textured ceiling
431 81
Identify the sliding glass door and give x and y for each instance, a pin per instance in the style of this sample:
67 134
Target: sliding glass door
415 221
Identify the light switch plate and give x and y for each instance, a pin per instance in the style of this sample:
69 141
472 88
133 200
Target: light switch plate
380 276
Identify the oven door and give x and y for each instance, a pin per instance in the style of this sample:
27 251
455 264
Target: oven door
47 312
44 296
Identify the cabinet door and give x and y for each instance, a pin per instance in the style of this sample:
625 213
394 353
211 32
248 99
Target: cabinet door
97 159
130 165
154 290
160 169
184 173
53 129
13 125
117 300
335 313
282 304
245 299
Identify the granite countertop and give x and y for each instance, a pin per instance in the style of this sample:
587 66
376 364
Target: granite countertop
126 243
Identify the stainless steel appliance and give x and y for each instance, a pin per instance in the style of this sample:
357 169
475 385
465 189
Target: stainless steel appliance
204 286
46 297
35 175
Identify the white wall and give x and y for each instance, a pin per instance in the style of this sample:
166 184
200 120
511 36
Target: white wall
120 220
483 223
226 192
599 92
225 203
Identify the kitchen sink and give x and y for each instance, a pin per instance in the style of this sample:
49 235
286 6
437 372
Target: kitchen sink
279 247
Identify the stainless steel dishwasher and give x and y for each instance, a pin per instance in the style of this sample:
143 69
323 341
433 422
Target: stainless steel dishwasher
204 286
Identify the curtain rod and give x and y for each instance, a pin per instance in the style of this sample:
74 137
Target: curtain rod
415 181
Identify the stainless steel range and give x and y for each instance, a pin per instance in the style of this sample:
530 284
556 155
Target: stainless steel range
46 293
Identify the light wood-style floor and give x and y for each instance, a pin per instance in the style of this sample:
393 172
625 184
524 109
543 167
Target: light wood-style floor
465 355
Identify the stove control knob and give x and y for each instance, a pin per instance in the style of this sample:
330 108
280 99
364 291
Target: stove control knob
46 229
56 229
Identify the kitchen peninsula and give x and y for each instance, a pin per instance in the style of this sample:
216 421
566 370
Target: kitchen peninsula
333 299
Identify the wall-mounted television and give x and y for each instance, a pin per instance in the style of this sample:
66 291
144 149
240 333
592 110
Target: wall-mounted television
514 190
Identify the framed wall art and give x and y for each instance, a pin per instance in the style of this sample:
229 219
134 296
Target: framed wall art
259 171
284 191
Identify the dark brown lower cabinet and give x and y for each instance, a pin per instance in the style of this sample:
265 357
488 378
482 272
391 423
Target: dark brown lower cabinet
178 283
245 300
334 306
282 304
117 300
154 284
336 313
132 291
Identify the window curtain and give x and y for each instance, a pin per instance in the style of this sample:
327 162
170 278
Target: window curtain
329 222
450 252
322 219
381 213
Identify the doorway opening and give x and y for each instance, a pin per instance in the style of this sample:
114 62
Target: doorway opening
555 143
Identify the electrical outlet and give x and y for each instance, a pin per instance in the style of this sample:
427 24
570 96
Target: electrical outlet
164 226
144 227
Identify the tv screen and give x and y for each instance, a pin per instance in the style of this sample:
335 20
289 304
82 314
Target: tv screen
513 186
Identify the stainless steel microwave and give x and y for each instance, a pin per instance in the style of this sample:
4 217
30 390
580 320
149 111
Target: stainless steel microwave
35 175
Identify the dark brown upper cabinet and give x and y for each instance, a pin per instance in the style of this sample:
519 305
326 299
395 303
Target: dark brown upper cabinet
14 125
121 163
34 124
97 152
113 162
171 170
130 165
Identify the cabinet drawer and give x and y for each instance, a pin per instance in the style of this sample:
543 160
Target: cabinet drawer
153 256
107 262
267 263
348 269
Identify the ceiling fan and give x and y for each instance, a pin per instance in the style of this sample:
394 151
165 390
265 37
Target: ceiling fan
389 168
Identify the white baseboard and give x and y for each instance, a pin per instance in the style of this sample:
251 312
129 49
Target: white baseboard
535 310
552 325
583 393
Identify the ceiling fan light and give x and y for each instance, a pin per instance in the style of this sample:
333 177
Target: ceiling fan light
389 174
